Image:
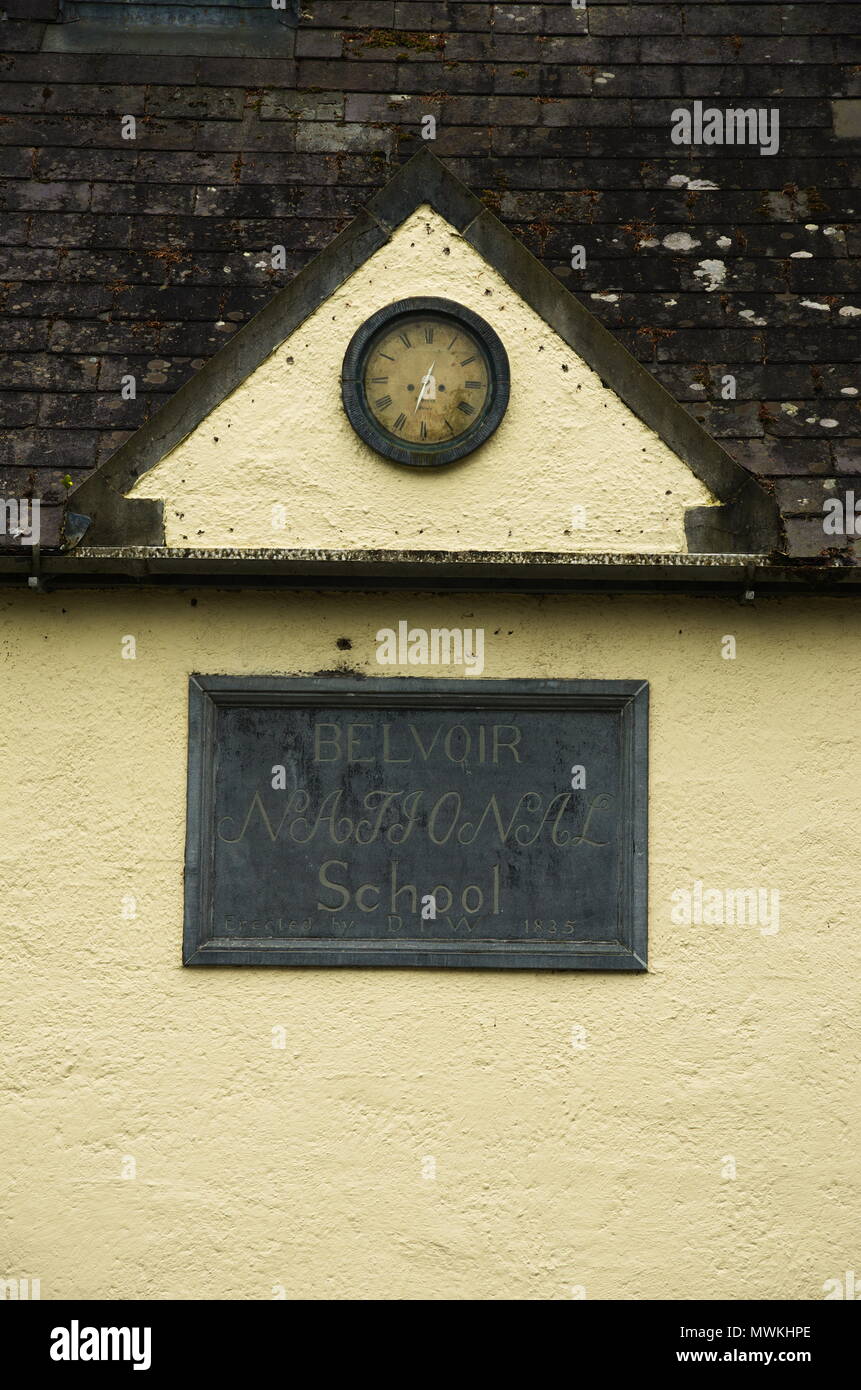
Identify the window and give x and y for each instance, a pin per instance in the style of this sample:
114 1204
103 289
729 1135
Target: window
251 28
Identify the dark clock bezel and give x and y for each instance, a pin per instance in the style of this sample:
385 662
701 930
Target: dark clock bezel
355 401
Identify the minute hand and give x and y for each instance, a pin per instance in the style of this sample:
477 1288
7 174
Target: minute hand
425 380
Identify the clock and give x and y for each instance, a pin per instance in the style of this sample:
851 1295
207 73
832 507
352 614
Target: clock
425 381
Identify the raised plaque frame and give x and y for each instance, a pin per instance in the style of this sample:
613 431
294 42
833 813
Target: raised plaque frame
623 947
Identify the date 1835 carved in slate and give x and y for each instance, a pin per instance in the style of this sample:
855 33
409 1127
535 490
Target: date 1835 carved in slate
417 822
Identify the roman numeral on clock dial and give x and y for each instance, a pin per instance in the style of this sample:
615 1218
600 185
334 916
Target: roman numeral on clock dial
400 422
466 407
383 403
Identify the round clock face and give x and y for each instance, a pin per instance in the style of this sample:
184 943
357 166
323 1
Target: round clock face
425 381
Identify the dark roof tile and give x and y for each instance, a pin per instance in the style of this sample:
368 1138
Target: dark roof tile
145 256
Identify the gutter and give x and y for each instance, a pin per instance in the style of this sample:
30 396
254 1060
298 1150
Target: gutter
739 576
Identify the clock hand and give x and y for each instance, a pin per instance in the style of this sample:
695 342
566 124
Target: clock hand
425 379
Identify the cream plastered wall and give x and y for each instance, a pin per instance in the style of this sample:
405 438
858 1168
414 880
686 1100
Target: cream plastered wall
259 1169
282 440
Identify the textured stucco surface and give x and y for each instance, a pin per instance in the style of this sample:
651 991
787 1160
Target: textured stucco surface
301 1168
282 439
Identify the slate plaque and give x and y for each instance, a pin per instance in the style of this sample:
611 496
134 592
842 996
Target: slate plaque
405 822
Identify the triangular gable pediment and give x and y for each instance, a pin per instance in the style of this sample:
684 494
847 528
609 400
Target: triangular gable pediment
593 455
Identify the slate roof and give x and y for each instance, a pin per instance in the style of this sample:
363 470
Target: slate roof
143 257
